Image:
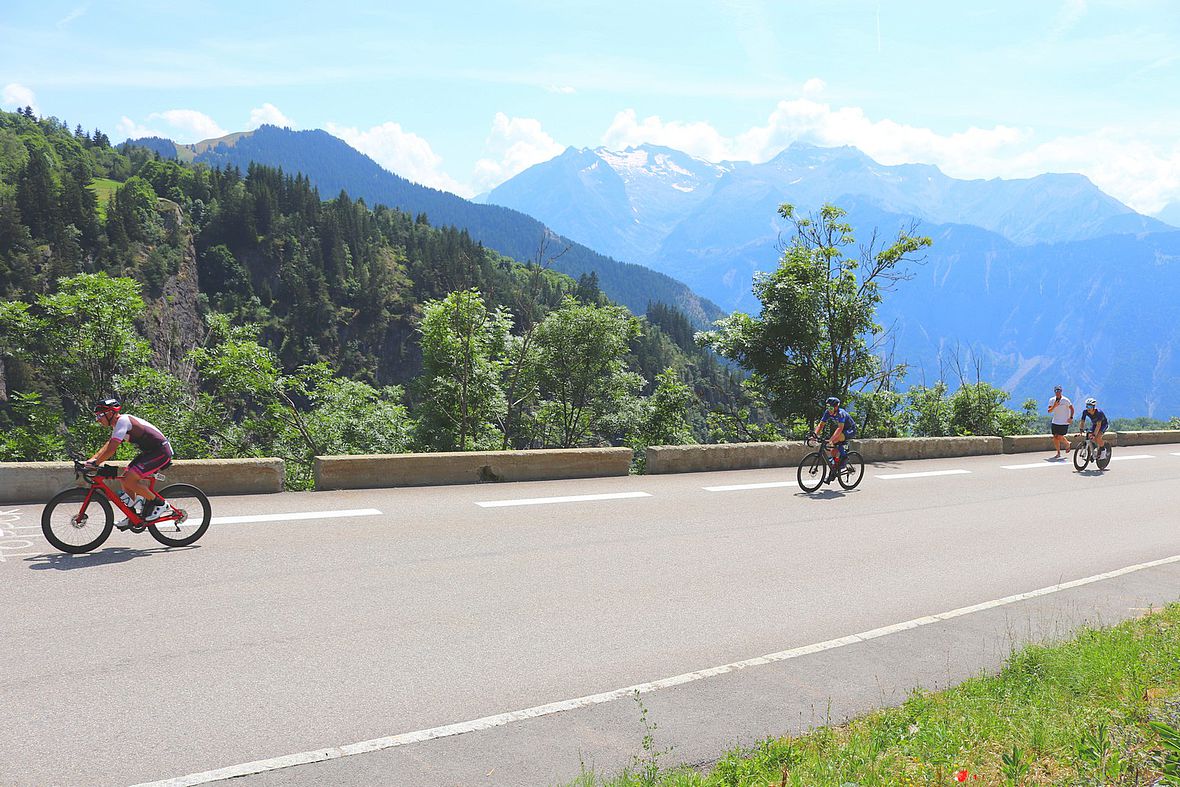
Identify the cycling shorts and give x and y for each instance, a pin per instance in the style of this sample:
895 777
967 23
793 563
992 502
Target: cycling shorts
151 462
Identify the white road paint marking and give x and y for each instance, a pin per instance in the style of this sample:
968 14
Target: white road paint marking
233 520
1176 453
1054 463
536 501
736 487
1132 456
925 474
20 543
501 719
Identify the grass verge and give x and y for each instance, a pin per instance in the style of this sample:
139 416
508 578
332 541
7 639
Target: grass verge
1101 709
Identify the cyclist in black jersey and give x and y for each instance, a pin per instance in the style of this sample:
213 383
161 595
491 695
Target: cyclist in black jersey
1098 424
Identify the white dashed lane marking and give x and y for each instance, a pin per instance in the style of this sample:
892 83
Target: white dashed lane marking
1054 463
1117 458
925 474
233 520
737 487
536 501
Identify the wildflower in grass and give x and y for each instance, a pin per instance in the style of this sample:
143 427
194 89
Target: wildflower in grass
961 776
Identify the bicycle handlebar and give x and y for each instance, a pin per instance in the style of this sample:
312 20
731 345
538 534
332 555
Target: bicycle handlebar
89 472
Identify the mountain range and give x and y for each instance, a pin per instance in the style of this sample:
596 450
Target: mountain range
333 166
1029 282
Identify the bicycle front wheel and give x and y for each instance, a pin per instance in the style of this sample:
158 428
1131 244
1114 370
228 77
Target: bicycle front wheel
1104 461
73 525
851 471
811 472
192 516
1081 457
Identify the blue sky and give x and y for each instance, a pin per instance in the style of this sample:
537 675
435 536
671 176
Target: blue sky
462 96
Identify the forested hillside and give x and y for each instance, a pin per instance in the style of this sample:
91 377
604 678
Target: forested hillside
333 166
247 316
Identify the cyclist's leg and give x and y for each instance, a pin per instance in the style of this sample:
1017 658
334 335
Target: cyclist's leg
136 484
142 467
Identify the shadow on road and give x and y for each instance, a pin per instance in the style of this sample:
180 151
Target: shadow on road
105 557
824 494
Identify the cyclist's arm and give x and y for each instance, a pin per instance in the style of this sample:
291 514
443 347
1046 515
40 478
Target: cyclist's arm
106 452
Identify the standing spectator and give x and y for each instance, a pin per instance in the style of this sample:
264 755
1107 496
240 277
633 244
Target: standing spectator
1061 408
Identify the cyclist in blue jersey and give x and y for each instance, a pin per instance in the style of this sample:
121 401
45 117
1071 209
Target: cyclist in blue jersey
844 431
1098 423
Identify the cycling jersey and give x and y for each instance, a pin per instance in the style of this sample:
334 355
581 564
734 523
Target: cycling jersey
146 437
841 417
1098 420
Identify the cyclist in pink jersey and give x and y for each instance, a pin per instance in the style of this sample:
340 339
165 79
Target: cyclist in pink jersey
154 454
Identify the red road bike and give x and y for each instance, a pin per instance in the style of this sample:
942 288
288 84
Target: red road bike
80 518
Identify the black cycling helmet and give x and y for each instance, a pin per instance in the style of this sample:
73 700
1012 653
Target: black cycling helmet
832 401
107 405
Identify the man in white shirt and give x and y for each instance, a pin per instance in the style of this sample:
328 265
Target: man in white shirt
1061 410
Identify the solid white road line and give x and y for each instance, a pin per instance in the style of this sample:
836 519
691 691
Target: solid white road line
1132 456
925 474
736 487
501 719
536 501
233 520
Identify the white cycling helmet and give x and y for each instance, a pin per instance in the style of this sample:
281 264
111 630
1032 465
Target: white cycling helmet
1091 402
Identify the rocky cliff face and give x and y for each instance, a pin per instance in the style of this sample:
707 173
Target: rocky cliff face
172 322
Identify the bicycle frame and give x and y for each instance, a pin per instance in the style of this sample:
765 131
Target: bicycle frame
98 482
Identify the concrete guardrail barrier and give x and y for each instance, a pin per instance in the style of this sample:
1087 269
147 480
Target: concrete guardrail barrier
36 482
724 456
749 456
1148 438
468 467
897 448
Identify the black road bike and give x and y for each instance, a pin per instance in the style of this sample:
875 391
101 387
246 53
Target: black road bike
1088 451
818 466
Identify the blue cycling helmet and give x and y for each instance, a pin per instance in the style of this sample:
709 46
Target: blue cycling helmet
832 402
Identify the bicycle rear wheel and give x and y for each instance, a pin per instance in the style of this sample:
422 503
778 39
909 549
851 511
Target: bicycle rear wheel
811 471
1081 456
70 528
851 471
192 512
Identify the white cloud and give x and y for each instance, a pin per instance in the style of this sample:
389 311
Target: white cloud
127 128
193 126
19 97
514 145
268 114
1135 171
697 138
72 15
814 86
401 152
563 89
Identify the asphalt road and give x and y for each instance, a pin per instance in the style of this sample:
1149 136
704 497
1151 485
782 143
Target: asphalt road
462 643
